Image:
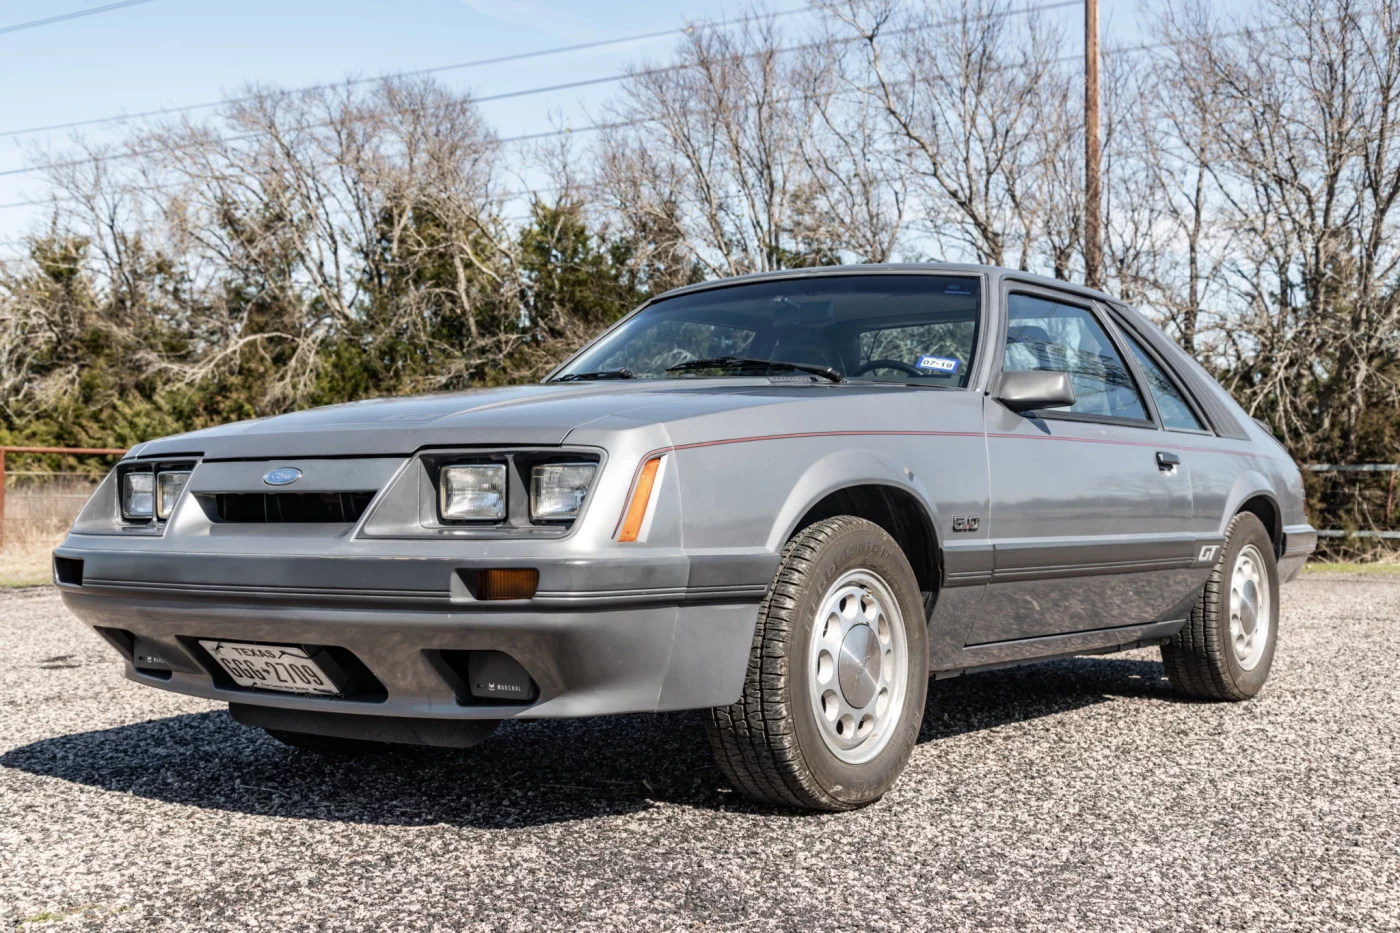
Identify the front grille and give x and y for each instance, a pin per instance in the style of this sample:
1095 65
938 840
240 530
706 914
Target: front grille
276 508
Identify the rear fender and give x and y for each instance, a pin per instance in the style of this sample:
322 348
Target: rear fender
1247 486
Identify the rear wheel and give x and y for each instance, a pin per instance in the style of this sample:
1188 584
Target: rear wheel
1226 649
837 676
331 746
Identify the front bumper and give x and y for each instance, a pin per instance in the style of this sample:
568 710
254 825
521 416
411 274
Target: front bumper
681 641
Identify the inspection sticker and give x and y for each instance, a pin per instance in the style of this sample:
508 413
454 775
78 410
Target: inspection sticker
941 364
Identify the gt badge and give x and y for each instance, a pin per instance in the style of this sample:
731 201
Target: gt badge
966 522
1208 552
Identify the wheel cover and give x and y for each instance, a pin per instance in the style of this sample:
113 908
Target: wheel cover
1251 613
858 666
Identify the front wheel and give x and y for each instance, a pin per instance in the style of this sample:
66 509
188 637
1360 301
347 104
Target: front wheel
1225 650
837 678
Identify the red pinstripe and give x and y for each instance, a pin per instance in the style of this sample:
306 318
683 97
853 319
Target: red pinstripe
1017 437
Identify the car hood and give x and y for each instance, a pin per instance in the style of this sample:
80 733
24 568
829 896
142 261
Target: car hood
515 415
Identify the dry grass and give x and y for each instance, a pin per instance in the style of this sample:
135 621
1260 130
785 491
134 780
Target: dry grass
38 512
27 564
1376 568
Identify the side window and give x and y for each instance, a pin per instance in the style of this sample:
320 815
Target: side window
1047 335
1171 402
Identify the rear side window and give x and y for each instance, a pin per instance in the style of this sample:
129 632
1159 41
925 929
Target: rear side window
1171 401
1048 335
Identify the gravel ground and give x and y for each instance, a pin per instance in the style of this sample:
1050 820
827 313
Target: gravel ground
1073 795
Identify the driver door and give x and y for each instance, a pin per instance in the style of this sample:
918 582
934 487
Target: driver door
1090 505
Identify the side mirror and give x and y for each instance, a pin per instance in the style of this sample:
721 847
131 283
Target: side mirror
1032 389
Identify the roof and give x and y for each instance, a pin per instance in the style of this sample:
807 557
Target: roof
994 273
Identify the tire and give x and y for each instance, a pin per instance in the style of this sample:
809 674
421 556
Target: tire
330 746
1218 654
782 743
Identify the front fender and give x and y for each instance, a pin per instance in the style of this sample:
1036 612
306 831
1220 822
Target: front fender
842 469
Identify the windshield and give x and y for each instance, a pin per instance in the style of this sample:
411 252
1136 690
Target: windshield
910 329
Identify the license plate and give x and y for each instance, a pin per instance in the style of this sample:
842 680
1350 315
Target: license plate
271 667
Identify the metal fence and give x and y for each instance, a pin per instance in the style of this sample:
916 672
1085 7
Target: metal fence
1379 526
60 503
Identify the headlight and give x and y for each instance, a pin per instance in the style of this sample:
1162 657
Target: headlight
557 490
168 487
473 492
138 496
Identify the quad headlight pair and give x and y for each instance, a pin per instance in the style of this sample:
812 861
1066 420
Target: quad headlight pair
477 491
151 495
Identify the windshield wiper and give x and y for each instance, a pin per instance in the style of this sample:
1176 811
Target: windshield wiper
751 364
623 373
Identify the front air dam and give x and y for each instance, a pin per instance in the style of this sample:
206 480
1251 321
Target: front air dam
445 733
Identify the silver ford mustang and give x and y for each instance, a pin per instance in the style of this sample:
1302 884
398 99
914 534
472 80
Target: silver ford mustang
786 499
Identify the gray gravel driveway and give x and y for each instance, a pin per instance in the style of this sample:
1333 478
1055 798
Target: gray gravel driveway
1078 794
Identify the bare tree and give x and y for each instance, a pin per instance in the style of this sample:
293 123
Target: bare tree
1170 121
711 146
965 84
299 218
1310 174
41 322
857 186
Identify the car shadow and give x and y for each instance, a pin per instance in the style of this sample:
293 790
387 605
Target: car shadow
528 773
985 700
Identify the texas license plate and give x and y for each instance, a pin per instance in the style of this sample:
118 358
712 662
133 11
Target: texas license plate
271 667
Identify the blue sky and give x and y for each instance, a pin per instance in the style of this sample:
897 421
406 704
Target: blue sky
176 52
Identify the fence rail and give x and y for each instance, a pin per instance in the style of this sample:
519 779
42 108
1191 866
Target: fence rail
1390 468
1354 467
75 451
1374 535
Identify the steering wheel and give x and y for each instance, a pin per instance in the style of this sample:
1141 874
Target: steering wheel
888 364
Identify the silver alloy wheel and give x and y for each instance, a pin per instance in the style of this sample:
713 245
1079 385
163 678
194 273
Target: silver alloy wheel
1251 615
858 666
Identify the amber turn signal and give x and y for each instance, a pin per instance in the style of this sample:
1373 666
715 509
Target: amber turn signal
637 508
507 583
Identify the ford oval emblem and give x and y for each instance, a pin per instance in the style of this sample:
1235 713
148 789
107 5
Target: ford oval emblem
283 476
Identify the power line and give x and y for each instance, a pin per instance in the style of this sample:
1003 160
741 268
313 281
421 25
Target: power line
596 127
567 131
76 14
418 73
524 137
503 195
571 130
1061 60
1039 8
525 92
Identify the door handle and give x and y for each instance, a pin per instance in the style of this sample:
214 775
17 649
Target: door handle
1167 461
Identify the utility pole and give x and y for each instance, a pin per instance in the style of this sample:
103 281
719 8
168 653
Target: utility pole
1093 236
